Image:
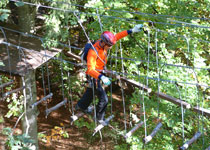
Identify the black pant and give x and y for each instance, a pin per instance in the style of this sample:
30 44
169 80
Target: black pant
87 98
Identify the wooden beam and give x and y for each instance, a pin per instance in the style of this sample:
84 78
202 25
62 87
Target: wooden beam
79 114
10 92
136 84
6 84
100 126
154 132
193 139
43 99
127 135
201 110
48 111
72 55
173 100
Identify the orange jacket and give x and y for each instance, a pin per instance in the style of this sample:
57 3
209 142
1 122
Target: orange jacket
94 63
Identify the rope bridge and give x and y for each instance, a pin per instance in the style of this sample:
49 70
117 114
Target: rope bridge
141 82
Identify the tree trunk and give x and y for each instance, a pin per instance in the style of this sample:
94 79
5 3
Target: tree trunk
29 120
26 17
2 139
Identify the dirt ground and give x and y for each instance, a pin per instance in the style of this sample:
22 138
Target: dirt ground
80 138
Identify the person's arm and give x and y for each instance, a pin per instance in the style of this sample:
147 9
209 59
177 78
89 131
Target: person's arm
124 33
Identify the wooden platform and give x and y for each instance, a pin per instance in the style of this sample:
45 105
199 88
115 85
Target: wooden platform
22 60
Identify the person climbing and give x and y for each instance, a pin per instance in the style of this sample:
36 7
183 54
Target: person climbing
96 63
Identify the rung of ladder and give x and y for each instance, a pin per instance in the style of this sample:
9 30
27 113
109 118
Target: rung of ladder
127 135
208 148
193 139
100 126
137 84
48 111
149 137
6 84
13 91
79 114
43 99
174 100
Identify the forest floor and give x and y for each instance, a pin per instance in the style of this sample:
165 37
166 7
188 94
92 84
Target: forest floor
80 138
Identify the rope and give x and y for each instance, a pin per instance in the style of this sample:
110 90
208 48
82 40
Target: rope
182 111
99 20
8 52
146 61
127 19
88 37
138 13
158 72
61 66
122 91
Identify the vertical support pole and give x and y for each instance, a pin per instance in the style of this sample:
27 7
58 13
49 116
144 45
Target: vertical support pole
29 120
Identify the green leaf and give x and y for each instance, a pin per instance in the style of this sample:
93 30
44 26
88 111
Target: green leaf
19 4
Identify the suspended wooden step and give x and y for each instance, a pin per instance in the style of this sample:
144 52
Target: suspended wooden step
43 99
193 139
6 84
48 111
127 135
137 84
105 123
149 137
10 92
79 114
208 148
173 100
205 112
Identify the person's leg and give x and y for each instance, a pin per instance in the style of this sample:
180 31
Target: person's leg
103 101
87 97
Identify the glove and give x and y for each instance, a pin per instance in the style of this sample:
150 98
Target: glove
137 28
105 80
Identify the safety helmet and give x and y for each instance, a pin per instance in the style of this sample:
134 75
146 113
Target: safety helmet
108 38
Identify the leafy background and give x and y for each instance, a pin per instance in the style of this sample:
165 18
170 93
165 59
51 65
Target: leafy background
172 39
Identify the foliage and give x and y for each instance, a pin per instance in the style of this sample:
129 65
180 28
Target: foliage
55 134
16 142
15 105
4 12
172 52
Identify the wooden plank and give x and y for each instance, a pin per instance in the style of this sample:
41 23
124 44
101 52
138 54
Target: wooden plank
79 114
136 84
173 100
100 126
201 110
154 132
72 55
10 92
30 56
48 111
192 140
41 100
127 135
6 84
